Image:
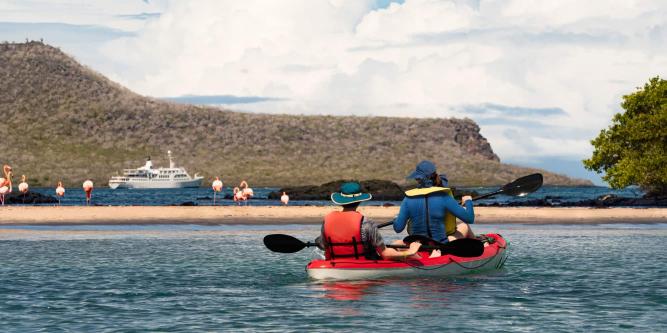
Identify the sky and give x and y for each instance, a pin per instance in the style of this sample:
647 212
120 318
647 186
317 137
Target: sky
541 78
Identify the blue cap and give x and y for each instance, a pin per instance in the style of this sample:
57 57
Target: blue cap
424 170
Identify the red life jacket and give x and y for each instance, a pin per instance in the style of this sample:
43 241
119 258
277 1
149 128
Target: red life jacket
342 235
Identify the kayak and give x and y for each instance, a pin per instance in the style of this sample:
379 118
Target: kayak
493 258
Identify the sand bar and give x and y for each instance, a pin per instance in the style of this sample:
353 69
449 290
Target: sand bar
40 215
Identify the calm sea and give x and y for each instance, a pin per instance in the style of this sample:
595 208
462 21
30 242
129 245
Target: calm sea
204 196
605 278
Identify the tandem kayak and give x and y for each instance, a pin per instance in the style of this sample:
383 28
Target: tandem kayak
493 258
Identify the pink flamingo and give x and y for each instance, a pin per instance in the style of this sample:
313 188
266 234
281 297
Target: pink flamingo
23 187
217 187
60 191
284 198
88 188
246 190
5 183
238 195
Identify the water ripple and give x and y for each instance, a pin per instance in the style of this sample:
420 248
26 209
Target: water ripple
557 279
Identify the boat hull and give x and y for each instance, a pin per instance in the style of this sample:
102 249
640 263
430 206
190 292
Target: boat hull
156 184
493 258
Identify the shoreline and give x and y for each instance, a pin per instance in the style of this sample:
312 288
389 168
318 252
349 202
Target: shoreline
283 215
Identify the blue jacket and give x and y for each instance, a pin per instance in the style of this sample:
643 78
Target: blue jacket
413 208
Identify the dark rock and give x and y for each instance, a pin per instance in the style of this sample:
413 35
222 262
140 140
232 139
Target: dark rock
610 200
533 202
188 203
654 200
204 198
29 198
604 201
380 189
388 204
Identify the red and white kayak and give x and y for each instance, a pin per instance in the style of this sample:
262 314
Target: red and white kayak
493 258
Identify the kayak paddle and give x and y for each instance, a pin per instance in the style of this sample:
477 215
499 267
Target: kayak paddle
519 187
460 248
285 243
465 247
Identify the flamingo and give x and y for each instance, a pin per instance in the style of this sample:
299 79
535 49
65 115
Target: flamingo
5 183
88 188
217 187
60 191
23 187
284 198
238 195
246 191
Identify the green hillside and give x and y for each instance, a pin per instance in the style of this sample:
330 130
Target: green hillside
64 121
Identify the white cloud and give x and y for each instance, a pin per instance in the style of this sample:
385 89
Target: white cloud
400 22
421 58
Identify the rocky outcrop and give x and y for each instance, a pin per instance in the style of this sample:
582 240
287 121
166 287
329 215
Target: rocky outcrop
29 198
604 201
467 136
382 190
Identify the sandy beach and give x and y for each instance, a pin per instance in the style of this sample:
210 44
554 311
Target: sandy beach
33 215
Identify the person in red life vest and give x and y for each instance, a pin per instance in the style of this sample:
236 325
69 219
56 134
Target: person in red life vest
348 234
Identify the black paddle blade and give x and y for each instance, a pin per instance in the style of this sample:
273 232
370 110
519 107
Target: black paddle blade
283 243
465 247
523 185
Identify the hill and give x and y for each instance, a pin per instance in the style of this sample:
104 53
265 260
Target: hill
64 121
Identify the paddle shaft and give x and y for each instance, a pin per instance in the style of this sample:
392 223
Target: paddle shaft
462 247
483 196
393 246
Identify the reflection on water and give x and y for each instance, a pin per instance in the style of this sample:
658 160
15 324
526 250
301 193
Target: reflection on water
418 293
346 290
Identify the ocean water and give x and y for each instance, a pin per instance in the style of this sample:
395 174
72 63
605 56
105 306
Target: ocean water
600 278
204 196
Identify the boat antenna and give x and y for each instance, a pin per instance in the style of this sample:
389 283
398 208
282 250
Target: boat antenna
149 164
171 162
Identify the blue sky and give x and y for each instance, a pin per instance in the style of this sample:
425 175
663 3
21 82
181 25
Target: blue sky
542 78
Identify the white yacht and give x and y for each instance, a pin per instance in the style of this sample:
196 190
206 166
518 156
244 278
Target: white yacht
149 177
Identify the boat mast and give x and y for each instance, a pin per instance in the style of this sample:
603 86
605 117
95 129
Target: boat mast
171 162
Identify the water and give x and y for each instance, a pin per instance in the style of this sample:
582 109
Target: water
221 278
204 196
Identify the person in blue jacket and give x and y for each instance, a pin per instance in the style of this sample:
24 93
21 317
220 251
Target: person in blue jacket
431 210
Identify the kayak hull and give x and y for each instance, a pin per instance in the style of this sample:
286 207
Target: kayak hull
493 258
